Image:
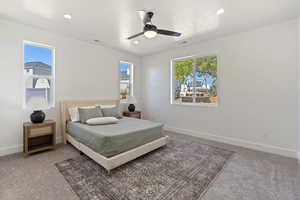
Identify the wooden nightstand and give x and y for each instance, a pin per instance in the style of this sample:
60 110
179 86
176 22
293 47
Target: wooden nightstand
135 114
39 137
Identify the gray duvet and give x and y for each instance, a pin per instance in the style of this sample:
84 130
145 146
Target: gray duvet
113 139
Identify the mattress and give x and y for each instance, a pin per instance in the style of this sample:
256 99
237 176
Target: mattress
112 139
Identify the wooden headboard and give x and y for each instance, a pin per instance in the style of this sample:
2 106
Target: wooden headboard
65 105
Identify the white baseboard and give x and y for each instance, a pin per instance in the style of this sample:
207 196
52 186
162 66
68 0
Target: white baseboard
18 148
237 142
10 150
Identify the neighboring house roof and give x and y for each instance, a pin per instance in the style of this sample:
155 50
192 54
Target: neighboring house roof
38 68
36 64
124 75
201 89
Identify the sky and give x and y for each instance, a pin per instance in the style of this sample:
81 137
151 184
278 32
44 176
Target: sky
37 54
124 66
209 80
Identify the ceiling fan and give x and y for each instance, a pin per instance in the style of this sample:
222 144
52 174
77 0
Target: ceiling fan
150 31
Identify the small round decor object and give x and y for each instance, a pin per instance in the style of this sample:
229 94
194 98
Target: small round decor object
37 116
131 108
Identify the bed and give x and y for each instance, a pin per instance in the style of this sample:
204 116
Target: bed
115 144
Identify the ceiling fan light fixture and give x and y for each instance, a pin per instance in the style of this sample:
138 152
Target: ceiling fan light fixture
150 34
150 30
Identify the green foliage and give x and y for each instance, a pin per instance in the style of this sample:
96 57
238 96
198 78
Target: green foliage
213 91
183 68
207 65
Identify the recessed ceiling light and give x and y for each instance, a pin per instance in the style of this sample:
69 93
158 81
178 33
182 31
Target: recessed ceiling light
67 16
135 42
220 11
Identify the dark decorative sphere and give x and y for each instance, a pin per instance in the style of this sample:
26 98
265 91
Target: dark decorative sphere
131 108
37 116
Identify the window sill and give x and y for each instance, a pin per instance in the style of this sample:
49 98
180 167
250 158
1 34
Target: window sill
213 105
33 109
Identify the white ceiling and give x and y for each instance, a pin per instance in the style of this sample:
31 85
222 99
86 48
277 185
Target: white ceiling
111 21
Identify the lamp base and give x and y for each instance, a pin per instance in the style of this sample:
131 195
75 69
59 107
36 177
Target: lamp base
131 108
37 116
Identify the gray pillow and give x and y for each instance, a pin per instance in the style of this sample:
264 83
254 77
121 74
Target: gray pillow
89 113
111 112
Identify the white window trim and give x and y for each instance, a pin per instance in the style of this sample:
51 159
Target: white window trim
172 81
52 76
131 78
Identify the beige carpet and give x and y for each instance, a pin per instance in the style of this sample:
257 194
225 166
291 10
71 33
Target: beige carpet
250 175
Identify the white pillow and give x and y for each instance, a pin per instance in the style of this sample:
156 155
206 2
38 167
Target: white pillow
106 105
102 120
74 113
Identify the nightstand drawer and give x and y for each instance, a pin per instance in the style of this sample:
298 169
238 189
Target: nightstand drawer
135 114
35 132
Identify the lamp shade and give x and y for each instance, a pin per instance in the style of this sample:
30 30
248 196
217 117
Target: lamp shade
37 103
42 83
132 100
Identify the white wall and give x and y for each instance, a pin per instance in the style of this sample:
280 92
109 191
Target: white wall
257 84
83 71
298 90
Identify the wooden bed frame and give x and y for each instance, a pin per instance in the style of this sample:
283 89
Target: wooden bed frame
107 163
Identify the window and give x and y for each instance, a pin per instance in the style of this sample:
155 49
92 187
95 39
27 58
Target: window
126 80
194 80
38 76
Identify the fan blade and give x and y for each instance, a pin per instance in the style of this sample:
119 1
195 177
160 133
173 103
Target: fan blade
136 35
169 33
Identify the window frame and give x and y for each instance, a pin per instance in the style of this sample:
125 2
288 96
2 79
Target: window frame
131 81
52 77
172 80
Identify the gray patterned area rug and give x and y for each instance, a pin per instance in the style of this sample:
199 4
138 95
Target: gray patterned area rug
181 170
